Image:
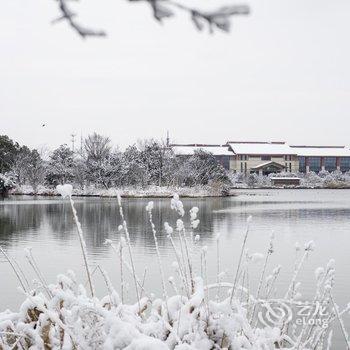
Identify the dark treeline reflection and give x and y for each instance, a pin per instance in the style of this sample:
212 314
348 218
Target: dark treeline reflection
100 219
29 219
17 221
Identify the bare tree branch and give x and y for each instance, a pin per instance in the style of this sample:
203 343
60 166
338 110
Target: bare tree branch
161 9
69 16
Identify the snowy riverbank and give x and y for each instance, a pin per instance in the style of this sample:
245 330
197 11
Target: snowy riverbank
127 192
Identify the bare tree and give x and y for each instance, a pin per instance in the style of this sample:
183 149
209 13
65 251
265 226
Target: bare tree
219 18
97 147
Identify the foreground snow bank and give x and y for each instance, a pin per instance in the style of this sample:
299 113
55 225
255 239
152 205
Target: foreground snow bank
66 318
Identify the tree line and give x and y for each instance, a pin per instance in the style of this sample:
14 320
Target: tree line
98 163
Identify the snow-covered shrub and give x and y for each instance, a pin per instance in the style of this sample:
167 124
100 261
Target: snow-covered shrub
201 169
60 166
6 184
199 315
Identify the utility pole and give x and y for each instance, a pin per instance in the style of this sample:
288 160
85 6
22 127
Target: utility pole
81 143
73 141
167 138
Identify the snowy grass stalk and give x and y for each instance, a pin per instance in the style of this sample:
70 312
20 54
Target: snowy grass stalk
218 279
130 250
206 297
33 264
268 254
143 280
22 273
183 263
12 264
324 280
149 209
341 322
308 248
240 259
121 246
107 281
189 261
83 246
126 264
329 340
169 231
177 205
275 273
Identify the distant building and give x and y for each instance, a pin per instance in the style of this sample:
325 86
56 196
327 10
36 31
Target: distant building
317 158
272 157
222 153
262 157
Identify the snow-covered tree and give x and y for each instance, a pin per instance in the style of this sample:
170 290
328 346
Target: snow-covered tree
36 170
60 166
159 162
201 169
134 171
8 152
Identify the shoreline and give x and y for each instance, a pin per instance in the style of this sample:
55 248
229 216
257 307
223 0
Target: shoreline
151 192
292 188
162 192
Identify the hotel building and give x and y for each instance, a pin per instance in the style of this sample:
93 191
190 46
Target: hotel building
272 157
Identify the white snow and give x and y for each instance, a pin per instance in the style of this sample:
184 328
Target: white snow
190 150
310 151
65 191
262 148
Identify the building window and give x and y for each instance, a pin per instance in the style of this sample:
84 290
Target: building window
302 165
315 164
290 167
241 167
245 167
265 157
330 163
344 163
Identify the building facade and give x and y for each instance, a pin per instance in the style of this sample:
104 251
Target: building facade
263 157
319 158
272 157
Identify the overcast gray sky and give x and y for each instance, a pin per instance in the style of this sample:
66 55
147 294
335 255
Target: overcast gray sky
281 74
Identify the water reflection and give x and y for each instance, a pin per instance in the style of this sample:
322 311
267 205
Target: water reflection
48 226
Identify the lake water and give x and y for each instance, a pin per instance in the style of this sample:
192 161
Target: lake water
46 225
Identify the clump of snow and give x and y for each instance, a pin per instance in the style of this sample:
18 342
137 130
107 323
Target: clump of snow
257 257
177 205
309 246
65 190
149 206
168 229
